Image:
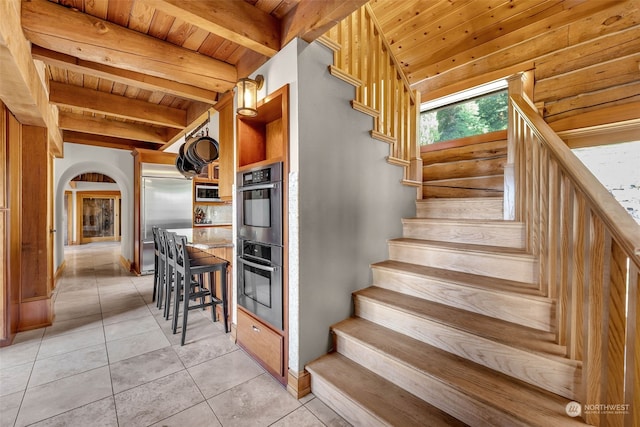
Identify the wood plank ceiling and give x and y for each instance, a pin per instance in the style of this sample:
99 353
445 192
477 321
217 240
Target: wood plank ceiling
141 73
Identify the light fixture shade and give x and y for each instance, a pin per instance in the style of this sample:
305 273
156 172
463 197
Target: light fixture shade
248 96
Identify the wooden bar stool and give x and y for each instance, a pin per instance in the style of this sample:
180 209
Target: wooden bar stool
157 262
187 266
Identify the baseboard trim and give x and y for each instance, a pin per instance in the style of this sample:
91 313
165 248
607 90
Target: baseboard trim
126 264
299 384
36 313
60 269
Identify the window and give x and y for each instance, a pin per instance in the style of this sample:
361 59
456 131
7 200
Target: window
477 111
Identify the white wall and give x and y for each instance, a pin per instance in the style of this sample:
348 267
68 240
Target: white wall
350 203
345 200
118 164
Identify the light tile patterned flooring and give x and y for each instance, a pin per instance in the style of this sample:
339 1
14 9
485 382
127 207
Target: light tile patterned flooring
110 359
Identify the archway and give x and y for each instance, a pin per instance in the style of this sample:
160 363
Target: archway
125 184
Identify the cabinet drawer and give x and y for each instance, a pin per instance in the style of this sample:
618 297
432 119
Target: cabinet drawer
261 342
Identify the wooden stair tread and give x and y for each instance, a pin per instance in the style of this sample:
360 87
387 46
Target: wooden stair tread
507 333
384 400
520 400
527 290
464 247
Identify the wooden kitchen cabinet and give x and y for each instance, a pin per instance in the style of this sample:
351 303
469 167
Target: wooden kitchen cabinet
266 345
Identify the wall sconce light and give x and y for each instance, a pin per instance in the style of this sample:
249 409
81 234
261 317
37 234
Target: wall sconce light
248 95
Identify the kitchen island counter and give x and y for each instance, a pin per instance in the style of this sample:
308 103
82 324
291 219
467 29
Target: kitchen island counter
206 237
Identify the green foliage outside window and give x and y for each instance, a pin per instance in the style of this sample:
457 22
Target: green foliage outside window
485 114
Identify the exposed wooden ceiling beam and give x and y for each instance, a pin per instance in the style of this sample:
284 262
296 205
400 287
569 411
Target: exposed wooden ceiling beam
106 141
109 104
74 33
116 128
312 18
237 21
118 75
20 87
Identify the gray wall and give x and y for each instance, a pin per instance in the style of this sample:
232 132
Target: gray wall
350 201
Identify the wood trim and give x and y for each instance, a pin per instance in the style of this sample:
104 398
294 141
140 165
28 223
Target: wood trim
359 106
337 72
36 313
125 263
298 383
60 270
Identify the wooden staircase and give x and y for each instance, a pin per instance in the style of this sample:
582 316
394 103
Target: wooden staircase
454 330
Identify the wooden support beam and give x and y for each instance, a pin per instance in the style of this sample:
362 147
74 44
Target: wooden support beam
106 141
115 128
312 18
74 33
21 89
109 104
118 75
237 21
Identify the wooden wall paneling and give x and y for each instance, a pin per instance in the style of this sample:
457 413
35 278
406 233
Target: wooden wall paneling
604 75
36 308
606 48
578 105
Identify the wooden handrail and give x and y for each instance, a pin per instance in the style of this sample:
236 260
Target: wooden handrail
620 223
588 249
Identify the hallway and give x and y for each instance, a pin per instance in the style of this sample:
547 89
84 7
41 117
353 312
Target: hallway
110 359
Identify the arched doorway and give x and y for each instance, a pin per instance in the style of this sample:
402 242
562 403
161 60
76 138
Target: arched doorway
118 165
92 209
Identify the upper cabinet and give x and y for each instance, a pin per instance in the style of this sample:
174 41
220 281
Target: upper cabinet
265 137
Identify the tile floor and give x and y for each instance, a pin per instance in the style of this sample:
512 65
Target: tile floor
110 359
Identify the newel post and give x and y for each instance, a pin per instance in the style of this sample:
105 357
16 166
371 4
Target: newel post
519 84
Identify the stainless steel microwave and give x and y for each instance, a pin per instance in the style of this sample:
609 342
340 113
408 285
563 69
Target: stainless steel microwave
207 193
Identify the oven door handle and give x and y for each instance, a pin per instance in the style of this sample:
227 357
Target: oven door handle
258 266
258 187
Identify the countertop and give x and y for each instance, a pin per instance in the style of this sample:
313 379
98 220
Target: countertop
207 237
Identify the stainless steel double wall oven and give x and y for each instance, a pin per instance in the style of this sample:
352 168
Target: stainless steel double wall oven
260 226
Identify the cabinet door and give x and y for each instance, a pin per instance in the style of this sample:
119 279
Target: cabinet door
261 342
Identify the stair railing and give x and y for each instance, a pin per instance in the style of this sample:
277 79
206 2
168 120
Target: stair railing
588 248
363 57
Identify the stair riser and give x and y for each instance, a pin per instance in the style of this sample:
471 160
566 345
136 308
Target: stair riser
340 403
537 314
510 267
545 373
502 235
439 394
482 208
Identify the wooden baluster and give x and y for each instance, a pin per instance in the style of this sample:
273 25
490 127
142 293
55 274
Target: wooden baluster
372 65
579 259
535 194
566 242
596 292
633 349
528 185
616 334
554 219
543 225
